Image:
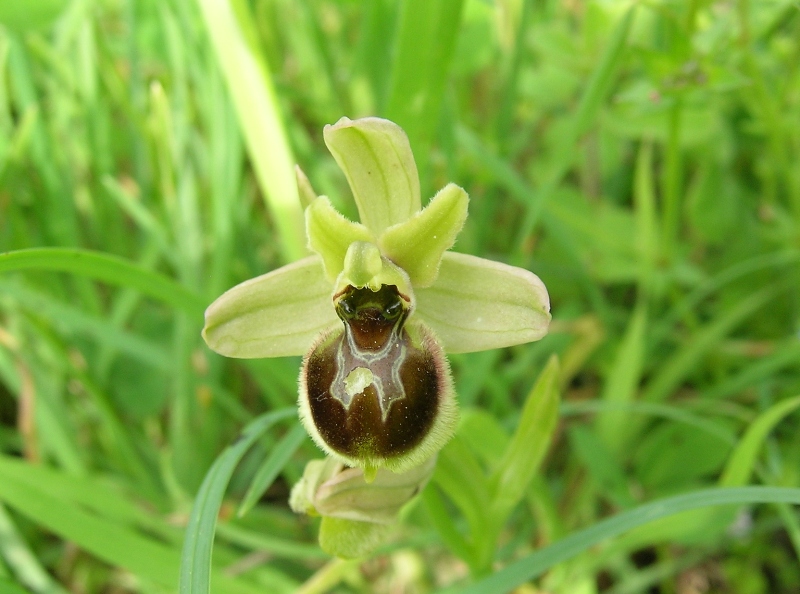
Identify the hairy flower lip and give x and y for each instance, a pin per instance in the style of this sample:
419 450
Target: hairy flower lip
396 441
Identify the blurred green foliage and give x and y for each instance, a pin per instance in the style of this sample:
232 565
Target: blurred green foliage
640 158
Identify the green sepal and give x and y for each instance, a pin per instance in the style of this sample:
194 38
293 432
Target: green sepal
330 235
274 315
376 158
417 245
351 539
478 304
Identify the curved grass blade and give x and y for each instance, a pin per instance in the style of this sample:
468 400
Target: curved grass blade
196 557
537 563
107 268
743 459
269 470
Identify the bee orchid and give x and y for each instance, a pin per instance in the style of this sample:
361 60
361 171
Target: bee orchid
376 307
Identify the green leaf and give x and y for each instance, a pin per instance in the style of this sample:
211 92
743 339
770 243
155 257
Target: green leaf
106 268
25 16
445 524
376 159
16 553
645 214
423 51
622 381
106 539
529 443
271 467
477 304
742 461
602 465
535 564
195 566
417 245
7 587
459 475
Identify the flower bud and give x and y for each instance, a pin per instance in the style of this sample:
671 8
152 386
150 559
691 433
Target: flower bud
356 515
377 391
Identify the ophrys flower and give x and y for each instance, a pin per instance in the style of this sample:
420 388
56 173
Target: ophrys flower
376 307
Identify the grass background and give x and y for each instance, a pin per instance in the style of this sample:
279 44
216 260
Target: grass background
640 158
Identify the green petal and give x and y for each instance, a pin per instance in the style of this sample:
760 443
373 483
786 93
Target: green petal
376 158
330 235
478 304
275 315
417 244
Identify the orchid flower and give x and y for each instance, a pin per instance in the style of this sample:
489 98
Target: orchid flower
376 307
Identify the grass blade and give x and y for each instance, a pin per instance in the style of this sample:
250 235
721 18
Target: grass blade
195 575
107 268
425 44
537 563
250 84
529 443
743 459
269 470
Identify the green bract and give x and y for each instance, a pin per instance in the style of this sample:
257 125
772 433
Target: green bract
373 311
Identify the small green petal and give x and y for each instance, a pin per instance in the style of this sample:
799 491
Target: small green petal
417 244
376 158
330 235
477 304
274 315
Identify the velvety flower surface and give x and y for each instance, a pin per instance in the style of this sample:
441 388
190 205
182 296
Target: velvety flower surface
373 312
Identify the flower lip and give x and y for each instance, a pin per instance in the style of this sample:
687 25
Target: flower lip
404 412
